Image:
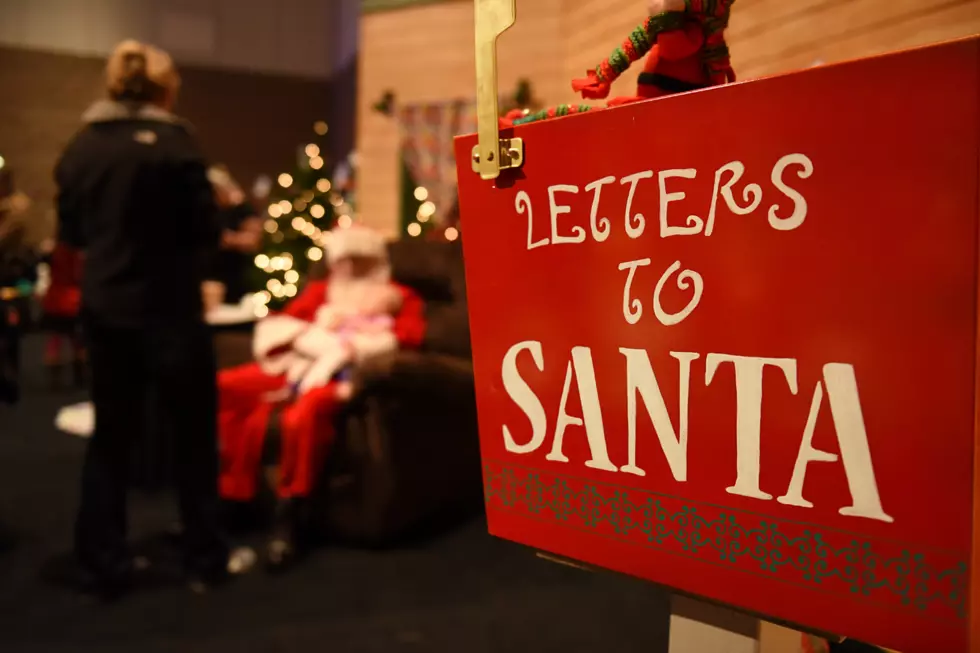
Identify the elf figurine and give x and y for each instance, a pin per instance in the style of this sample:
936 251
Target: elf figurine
684 45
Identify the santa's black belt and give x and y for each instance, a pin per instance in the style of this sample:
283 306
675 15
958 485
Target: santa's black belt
666 83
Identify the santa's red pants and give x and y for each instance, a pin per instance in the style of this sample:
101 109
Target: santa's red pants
306 431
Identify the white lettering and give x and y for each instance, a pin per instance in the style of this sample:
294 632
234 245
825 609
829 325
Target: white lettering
806 455
752 193
800 206
600 226
640 379
852 438
632 310
694 223
581 366
522 395
684 281
748 414
523 205
561 209
634 230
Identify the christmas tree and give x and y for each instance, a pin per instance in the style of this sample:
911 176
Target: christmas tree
417 210
303 206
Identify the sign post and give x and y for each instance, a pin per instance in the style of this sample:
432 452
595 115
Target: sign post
727 341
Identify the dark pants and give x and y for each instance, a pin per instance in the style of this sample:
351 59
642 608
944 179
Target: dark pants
172 367
11 315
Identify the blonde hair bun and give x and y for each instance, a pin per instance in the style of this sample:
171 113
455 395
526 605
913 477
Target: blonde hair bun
141 73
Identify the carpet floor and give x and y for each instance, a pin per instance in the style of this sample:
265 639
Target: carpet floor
459 592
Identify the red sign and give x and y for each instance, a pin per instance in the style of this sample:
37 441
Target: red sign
726 341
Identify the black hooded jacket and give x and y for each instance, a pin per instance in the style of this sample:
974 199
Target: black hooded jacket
133 194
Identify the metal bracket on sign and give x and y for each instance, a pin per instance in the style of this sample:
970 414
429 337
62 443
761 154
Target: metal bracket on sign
492 153
509 153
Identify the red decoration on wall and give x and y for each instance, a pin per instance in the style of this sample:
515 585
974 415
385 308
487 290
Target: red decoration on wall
727 341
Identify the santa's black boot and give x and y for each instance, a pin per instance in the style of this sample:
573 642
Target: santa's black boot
282 550
79 372
9 382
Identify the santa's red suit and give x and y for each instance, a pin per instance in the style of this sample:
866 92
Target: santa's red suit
299 352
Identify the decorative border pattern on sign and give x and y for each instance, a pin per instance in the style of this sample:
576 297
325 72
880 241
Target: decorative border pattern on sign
880 571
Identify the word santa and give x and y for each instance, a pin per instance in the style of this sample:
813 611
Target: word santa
838 384
303 356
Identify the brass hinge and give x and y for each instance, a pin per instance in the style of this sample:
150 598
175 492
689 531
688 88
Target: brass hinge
492 154
509 154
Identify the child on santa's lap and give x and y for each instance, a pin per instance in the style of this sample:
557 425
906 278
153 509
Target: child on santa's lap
303 356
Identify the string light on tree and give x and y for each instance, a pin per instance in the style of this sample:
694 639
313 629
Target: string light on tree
414 229
451 233
304 205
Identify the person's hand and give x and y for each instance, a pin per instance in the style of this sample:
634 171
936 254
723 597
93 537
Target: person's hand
281 396
248 241
656 7
324 369
229 239
297 370
345 390
250 235
328 317
17 203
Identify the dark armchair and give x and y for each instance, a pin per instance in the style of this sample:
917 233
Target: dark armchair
407 453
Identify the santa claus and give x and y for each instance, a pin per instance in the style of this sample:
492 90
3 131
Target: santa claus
302 358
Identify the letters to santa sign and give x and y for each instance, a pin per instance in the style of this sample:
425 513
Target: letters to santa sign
727 341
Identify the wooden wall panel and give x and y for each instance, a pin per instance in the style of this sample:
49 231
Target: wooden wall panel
426 53
253 123
592 29
766 38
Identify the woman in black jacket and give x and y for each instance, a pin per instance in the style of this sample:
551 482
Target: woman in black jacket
133 194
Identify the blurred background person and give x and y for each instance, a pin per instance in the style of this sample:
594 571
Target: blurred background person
60 305
18 273
241 236
135 198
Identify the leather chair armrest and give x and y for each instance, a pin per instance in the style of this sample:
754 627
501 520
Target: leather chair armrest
408 452
412 372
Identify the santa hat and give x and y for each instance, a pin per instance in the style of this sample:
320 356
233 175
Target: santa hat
355 241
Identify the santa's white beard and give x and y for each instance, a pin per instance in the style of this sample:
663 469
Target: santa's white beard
356 295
